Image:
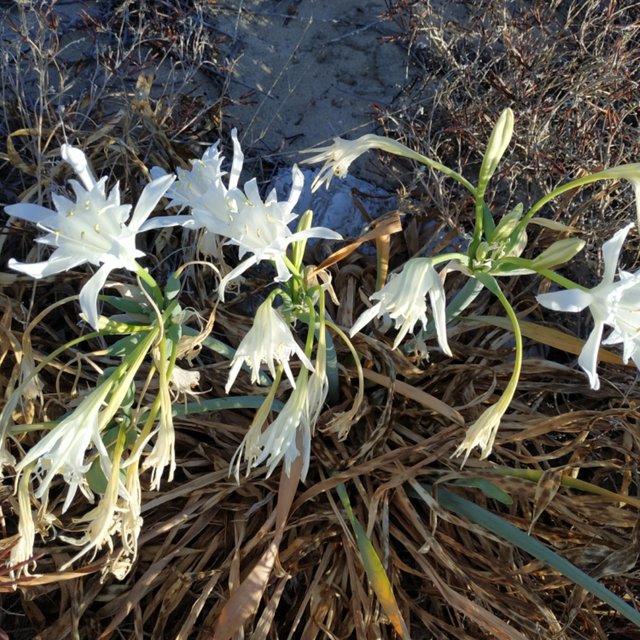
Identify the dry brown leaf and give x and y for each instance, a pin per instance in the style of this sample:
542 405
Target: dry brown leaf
417 395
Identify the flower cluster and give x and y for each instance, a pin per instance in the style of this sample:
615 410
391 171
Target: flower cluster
101 446
260 228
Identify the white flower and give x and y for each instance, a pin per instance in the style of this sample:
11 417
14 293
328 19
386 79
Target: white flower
337 157
202 190
104 520
63 449
258 227
93 229
482 433
403 300
613 303
262 228
270 339
289 435
279 439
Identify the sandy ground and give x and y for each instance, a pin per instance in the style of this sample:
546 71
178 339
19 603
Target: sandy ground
303 71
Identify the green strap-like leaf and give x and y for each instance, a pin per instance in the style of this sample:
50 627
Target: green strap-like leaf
520 539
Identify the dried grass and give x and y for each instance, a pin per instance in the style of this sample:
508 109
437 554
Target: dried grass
567 70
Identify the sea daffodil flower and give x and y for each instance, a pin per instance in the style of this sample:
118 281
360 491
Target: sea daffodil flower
270 339
613 302
279 440
262 229
338 156
202 190
257 227
403 300
63 449
93 229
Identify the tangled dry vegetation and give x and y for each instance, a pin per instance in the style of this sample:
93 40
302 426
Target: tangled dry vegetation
569 70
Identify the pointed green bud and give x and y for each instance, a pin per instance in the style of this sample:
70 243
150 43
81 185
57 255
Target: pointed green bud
483 251
507 224
558 253
553 225
305 221
498 143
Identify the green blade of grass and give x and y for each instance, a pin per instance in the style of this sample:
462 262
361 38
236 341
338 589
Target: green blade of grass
375 571
520 539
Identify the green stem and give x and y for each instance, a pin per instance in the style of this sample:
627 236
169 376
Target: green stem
491 284
523 263
578 182
148 279
561 280
479 219
399 149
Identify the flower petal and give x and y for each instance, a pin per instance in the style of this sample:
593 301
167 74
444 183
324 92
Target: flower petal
188 222
588 358
43 269
149 198
365 318
79 163
89 294
238 159
611 252
438 308
234 273
29 212
571 300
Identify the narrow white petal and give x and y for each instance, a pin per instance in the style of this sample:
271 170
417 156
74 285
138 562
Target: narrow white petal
55 264
29 212
238 159
588 358
149 198
297 183
365 318
79 163
236 365
571 300
611 252
33 269
438 309
89 294
238 271
188 222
